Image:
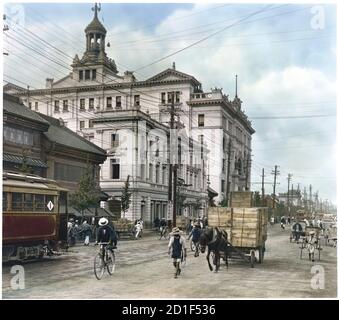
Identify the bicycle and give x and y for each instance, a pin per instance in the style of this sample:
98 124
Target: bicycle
104 259
164 233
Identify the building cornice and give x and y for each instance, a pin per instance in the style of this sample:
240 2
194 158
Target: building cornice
220 102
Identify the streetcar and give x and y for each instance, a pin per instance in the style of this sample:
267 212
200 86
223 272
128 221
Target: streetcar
34 216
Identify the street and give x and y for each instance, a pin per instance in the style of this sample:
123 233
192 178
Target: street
144 271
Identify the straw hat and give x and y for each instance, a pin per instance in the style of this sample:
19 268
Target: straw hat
175 231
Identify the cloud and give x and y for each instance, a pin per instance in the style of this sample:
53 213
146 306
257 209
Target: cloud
284 68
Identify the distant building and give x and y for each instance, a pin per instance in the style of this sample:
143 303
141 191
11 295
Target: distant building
294 198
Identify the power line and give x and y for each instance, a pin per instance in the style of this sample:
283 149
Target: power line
203 39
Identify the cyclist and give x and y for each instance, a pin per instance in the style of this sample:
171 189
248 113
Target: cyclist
106 233
163 227
195 234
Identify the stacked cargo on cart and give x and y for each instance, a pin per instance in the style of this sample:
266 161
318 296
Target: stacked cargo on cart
246 228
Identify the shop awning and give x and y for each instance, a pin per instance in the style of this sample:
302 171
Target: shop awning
19 160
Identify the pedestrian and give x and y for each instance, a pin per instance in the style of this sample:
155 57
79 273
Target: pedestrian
282 222
156 223
86 231
195 234
137 229
141 226
177 249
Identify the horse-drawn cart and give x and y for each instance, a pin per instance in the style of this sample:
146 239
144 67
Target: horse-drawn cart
246 229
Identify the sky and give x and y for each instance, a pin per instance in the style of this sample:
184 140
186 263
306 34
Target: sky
284 56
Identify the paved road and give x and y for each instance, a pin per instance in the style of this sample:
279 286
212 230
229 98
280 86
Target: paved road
144 271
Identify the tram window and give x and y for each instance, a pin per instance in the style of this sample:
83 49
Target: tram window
28 202
17 201
4 201
48 199
39 202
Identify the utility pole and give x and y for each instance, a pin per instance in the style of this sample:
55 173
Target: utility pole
172 182
275 173
289 177
247 171
263 187
305 198
292 195
228 171
311 205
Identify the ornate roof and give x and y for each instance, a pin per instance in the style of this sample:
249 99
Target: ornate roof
95 25
174 73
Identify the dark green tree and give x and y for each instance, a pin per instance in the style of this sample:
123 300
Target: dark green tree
126 197
88 194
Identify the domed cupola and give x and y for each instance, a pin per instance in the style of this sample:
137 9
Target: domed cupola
95 33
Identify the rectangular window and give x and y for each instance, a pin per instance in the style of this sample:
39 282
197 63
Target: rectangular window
222 185
82 104
169 97
81 75
17 204
137 100
177 97
223 165
201 120
36 106
223 143
90 124
28 202
94 74
163 97
109 102
39 202
115 163
65 106
30 105
163 174
82 125
4 201
91 104
87 74
115 140
67 172
18 136
142 171
118 102
157 174
150 172
56 106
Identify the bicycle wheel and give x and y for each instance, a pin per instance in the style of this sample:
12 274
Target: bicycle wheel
99 267
192 245
110 262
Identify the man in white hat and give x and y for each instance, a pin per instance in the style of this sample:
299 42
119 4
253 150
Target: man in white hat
178 247
106 233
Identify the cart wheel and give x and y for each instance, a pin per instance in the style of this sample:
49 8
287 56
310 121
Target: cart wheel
252 259
261 254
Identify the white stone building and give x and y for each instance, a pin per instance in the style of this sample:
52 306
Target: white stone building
113 110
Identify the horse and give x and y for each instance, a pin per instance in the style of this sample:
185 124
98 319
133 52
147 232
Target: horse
216 241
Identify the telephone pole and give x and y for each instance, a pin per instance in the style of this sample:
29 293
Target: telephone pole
263 187
228 171
311 205
289 177
275 173
172 181
305 198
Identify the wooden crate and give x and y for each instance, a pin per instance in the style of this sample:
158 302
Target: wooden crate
241 199
246 227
